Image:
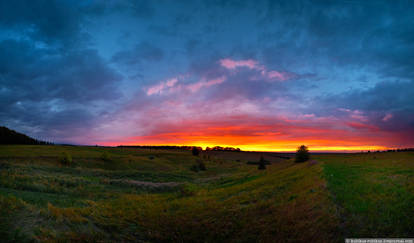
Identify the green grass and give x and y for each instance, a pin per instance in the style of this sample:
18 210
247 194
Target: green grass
375 193
119 194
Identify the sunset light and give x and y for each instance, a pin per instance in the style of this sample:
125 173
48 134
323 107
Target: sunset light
243 78
215 121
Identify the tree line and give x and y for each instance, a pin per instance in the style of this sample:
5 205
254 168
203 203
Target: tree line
393 150
219 148
216 148
8 136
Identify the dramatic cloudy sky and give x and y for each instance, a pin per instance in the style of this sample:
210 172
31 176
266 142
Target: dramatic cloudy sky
259 75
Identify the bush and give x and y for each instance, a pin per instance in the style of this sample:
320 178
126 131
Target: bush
66 159
262 163
187 190
302 154
105 156
199 166
195 168
195 151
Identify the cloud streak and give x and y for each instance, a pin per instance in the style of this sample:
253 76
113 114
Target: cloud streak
252 64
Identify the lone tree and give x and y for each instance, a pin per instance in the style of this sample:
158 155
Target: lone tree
262 163
195 151
302 154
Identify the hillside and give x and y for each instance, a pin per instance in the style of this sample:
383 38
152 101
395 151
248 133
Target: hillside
8 136
141 195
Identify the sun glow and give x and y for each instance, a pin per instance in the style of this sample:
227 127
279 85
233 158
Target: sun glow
281 146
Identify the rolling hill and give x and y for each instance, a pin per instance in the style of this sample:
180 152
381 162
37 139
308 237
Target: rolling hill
8 136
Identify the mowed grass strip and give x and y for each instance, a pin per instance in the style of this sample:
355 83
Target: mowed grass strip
374 192
281 204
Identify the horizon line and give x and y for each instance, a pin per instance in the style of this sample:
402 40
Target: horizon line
327 150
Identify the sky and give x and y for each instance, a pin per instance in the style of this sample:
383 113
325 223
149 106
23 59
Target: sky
258 75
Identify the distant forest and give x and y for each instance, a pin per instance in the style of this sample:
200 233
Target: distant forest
8 136
398 150
216 148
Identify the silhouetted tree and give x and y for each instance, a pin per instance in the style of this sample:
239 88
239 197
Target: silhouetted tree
195 151
302 154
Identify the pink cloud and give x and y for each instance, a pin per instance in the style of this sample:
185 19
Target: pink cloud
173 85
232 64
171 82
308 116
282 76
252 64
358 125
155 89
159 88
197 86
355 114
387 117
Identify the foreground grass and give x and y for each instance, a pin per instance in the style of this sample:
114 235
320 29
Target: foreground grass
143 195
375 193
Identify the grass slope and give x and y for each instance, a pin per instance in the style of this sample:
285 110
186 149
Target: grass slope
375 193
146 195
8 136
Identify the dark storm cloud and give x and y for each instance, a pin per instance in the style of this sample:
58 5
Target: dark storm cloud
63 22
387 96
138 8
41 87
36 74
38 120
395 99
51 80
351 33
54 22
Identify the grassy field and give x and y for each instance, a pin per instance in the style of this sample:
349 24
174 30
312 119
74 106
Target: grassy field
125 194
374 192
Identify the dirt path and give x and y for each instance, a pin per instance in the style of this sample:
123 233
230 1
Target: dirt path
146 183
312 162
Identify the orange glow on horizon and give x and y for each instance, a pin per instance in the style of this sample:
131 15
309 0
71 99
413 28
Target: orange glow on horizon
280 146
281 137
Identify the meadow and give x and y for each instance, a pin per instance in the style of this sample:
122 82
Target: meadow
74 193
